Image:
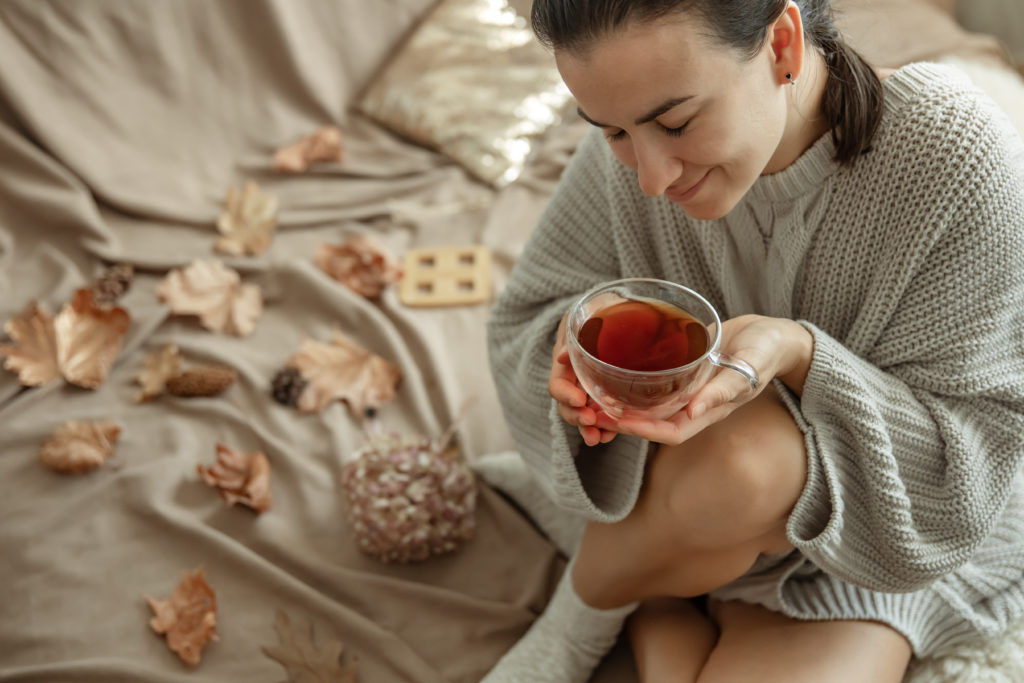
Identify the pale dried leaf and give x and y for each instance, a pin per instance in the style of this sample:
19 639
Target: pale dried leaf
158 367
215 293
306 662
188 617
89 338
362 264
345 371
34 354
323 145
248 221
240 477
77 447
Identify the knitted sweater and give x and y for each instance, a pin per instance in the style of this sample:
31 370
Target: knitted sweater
908 270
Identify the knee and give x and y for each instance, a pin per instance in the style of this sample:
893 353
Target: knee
740 477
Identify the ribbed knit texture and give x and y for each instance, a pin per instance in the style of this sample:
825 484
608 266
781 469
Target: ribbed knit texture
908 269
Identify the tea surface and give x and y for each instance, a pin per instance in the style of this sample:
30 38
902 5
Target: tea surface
643 335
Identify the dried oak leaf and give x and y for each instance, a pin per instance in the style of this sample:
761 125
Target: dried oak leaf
248 221
202 380
215 293
77 447
188 618
241 477
362 264
343 370
158 367
34 354
306 662
322 145
89 338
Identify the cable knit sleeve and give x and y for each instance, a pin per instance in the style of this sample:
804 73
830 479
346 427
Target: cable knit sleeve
571 249
915 439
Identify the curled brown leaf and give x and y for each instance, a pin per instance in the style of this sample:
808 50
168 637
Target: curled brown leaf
76 447
188 618
240 477
362 264
343 370
324 144
248 221
215 293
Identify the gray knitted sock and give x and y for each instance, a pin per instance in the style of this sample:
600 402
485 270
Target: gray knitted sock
565 644
507 472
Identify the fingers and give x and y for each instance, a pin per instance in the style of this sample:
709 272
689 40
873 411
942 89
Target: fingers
726 387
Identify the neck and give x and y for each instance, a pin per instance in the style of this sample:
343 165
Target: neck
805 122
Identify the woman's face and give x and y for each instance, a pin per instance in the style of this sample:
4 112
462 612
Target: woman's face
696 121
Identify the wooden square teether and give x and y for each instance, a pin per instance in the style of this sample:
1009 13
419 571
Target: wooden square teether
446 276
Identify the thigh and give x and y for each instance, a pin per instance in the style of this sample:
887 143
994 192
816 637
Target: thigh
757 645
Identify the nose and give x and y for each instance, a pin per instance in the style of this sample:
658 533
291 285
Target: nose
656 168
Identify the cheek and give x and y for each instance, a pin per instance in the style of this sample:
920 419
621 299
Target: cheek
623 151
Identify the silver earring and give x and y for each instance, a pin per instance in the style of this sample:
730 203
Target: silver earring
789 77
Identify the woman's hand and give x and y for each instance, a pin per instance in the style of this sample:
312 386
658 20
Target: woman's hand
574 405
774 347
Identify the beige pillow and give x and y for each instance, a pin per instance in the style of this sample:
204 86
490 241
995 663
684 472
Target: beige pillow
472 82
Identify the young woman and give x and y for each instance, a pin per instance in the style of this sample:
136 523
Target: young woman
863 233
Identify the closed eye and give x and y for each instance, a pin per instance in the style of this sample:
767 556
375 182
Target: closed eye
675 132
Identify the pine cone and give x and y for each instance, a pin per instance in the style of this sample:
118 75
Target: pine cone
288 385
112 285
203 380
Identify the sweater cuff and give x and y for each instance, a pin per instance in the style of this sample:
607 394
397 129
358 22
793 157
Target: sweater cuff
600 482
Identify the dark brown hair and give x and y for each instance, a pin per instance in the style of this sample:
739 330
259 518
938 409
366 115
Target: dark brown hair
852 103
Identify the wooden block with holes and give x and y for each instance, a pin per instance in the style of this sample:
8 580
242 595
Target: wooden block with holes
446 276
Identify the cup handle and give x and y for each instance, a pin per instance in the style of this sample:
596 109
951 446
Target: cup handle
737 365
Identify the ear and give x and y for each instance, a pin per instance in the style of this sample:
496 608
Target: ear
786 38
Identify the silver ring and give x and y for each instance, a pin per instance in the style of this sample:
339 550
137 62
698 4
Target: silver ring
744 368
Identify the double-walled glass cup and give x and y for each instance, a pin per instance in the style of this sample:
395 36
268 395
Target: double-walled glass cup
647 394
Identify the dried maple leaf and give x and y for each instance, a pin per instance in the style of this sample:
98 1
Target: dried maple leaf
34 357
89 338
248 221
158 367
77 447
215 293
304 661
345 371
362 264
241 477
322 145
188 618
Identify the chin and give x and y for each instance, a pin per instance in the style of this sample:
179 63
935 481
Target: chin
707 212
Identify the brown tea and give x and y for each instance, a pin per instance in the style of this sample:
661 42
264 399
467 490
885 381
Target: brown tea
644 335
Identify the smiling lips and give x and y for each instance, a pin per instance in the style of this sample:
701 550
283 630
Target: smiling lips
678 195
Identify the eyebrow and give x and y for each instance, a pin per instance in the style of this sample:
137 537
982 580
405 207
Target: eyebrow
646 118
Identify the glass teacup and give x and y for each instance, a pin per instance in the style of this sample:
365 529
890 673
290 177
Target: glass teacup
642 347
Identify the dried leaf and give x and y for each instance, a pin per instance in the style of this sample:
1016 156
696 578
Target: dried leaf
362 264
215 293
322 145
345 371
241 477
188 618
248 221
77 447
158 367
304 661
34 355
89 338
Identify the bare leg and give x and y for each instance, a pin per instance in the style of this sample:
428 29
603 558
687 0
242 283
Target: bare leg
671 639
708 508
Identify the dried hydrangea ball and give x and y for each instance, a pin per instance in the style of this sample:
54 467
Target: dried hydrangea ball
409 499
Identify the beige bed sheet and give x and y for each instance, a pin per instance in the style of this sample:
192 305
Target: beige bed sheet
122 125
